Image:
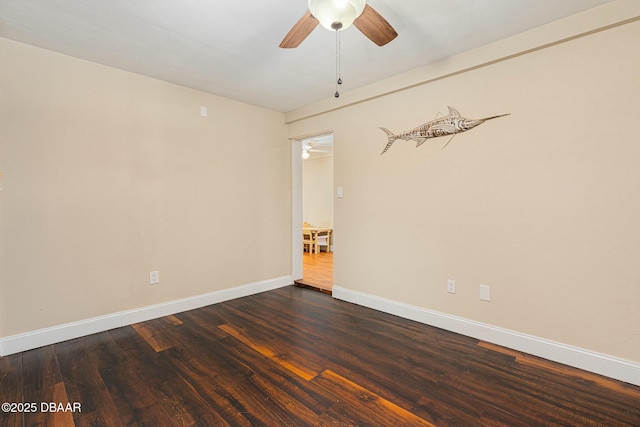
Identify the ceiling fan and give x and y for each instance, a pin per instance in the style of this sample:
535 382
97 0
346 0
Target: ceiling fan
338 15
309 147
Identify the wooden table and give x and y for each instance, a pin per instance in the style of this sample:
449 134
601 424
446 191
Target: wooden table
315 232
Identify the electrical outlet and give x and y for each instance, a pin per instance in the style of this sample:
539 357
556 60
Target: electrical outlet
485 293
154 277
451 286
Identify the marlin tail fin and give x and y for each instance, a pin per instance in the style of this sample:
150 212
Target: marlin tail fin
392 139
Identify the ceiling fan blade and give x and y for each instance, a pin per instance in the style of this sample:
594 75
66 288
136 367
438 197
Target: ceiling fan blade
300 31
375 27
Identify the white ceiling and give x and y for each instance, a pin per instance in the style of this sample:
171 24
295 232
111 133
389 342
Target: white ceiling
230 47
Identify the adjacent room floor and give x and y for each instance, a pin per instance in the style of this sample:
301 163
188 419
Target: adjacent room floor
293 357
317 270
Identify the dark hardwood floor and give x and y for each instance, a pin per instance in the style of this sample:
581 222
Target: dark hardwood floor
294 357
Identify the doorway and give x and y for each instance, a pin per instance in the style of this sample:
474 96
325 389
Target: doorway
316 212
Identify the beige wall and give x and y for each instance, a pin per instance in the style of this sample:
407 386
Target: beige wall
109 175
542 205
317 191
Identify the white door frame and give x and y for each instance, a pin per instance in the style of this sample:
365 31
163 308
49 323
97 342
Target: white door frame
296 209
296 203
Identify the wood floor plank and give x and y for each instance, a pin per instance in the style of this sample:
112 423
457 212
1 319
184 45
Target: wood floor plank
362 406
291 356
133 398
292 397
157 371
40 370
293 343
267 352
185 406
11 388
84 384
61 416
154 332
44 386
293 391
212 374
232 388
136 349
212 389
48 410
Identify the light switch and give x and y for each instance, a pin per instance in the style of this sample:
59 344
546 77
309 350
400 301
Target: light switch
485 293
451 286
154 277
203 112
339 193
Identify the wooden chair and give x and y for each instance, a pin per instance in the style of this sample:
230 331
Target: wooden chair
323 238
308 241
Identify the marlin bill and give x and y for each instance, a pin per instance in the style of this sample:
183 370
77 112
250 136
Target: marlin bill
451 124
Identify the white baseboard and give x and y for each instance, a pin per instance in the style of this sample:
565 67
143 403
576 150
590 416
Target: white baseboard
41 337
587 360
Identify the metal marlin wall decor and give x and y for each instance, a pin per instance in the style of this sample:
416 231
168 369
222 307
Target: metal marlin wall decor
452 124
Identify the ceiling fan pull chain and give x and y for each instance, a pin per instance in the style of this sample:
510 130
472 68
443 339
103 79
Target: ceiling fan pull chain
338 79
339 58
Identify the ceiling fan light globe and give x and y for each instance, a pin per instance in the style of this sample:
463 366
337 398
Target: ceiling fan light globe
336 15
